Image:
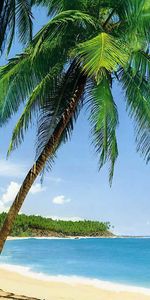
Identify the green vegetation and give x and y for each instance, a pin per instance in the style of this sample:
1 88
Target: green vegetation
15 20
39 226
85 48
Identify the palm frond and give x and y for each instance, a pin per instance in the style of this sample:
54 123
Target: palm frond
56 6
15 16
57 24
137 25
104 120
76 82
21 75
54 107
24 20
103 51
137 93
15 83
12 26
37 100
5 11
140 64
53 6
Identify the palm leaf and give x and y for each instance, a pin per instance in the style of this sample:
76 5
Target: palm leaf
5 11
15 80
138 104
137 26
36 100
22 74
140 64
24 20
53 6
104 120
75 82
103 51
12 25
15 14
54 107
57 24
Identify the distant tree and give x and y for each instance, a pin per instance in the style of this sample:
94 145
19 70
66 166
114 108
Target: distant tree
73 60
33 225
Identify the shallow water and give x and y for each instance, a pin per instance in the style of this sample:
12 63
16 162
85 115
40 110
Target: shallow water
125 261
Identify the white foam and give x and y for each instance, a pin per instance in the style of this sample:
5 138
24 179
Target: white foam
55 238
42 238
75 280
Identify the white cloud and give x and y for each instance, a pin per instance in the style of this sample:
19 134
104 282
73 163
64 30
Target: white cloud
9 195
37 188
11 191
60 200
74 219
9 169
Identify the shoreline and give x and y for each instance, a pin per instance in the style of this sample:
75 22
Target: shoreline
11 238
21 280
53 287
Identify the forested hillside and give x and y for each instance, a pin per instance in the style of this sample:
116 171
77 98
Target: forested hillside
40 226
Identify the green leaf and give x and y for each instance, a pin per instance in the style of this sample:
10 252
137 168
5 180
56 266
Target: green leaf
104 120
24 20
74 82
138 104
102 52
52 111
15 16
36 100
56 27
140 64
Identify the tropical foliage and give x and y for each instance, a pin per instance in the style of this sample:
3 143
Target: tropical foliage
36 225
73 61
15 16
109 41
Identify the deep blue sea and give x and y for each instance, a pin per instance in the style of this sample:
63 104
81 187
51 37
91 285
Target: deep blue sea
125 261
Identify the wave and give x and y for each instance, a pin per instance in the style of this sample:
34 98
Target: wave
58 238
74 280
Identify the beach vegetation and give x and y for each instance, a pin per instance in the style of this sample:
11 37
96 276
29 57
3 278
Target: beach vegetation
32 226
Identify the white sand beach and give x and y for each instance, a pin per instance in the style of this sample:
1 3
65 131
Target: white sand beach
11 281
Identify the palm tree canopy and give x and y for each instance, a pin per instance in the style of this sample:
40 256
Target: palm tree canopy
108 40
15 15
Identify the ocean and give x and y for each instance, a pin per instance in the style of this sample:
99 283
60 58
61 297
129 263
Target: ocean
116 260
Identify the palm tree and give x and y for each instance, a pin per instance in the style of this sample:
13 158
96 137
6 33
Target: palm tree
15 14
73 61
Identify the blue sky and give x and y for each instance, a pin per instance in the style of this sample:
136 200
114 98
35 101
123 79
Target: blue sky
74 188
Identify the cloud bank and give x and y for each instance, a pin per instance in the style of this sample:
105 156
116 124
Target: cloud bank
11 191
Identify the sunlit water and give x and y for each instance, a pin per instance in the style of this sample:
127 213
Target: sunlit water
125 261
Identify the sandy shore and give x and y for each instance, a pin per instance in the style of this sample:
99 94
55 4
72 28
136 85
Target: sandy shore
18 284
10 296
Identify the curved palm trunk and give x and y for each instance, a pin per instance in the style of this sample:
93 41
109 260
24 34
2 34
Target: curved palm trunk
39 164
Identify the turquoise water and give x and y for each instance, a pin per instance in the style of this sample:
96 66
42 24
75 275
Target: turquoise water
125 261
